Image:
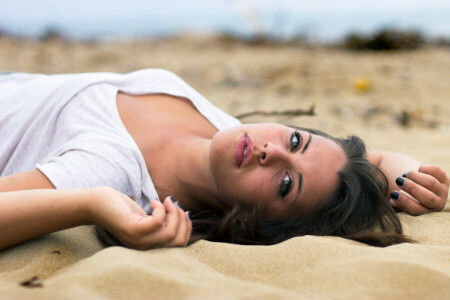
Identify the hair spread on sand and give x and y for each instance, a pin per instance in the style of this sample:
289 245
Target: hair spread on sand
358 207
358 210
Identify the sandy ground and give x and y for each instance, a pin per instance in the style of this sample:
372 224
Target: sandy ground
239 78
394 100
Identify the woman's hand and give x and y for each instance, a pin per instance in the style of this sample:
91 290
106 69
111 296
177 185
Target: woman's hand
167 226
426 191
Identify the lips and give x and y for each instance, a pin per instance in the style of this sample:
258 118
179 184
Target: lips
243 152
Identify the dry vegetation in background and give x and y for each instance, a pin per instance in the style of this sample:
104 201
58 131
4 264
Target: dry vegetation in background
403 92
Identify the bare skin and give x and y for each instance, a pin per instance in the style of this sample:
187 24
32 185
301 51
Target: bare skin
186 158
276 155
178 131
188 136
32 213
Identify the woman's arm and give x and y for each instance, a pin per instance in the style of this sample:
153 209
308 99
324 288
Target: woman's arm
393 164
33 179
28 214
415 188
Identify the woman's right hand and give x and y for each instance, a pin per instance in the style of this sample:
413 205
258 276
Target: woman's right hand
167 226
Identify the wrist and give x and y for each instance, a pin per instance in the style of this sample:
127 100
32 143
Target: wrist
93 203
90 203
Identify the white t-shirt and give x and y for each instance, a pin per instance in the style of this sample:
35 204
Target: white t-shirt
69 128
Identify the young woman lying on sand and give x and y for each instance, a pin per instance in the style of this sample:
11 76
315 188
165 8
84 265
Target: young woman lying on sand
113 145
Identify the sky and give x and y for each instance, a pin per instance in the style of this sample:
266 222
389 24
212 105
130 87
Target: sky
324 20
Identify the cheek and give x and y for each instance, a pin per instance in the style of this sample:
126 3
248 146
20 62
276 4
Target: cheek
251 188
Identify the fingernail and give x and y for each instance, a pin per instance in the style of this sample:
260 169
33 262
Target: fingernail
395 195
171 198
189 215
399 181
179 204
404 175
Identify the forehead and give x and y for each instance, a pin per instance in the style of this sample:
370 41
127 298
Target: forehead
325 144
319 166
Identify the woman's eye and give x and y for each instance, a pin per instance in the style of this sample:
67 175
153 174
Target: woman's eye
285 186
295 140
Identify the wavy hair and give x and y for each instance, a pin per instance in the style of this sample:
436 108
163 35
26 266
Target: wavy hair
358 210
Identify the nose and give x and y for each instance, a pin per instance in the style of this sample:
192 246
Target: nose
271 153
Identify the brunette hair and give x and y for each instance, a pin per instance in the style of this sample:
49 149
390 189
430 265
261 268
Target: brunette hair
358 210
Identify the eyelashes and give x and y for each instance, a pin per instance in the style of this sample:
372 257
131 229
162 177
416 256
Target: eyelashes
295 143
295 140
285 185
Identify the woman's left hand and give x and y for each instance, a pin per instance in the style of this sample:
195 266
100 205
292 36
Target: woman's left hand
426 191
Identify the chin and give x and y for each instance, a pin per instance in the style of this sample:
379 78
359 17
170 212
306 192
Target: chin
221 150
216 163
221 159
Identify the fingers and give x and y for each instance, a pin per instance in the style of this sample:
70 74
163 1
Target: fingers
404 202
421 192
175 230
429 185
394 206
169 230
424 189
153 222
189 230
183 235
168 226
435 171
425 180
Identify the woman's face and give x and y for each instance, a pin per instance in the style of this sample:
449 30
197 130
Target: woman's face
288 171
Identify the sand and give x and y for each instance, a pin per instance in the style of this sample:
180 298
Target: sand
395 101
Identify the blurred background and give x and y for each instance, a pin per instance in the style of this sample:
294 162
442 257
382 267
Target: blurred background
379 69
322 21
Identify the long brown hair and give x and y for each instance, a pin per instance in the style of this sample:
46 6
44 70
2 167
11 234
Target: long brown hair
358 210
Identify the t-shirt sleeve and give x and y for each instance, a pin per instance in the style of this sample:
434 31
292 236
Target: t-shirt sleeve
93 165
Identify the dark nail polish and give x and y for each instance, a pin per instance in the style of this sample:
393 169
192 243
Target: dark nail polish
399 181
404 175
395 195
171 198
189 215
179 204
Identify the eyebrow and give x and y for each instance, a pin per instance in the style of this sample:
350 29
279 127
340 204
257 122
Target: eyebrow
307 143
300 180
300 176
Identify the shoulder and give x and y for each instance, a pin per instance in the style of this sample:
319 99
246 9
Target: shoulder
96 163
374 156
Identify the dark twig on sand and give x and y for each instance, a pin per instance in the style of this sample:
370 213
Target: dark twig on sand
33 282
284 112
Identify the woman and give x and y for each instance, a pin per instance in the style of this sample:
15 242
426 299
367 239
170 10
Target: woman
104 139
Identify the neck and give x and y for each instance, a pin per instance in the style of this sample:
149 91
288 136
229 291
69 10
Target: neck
193 177
188 177
177 152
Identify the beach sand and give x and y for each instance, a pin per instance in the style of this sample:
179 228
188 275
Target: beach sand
394 100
